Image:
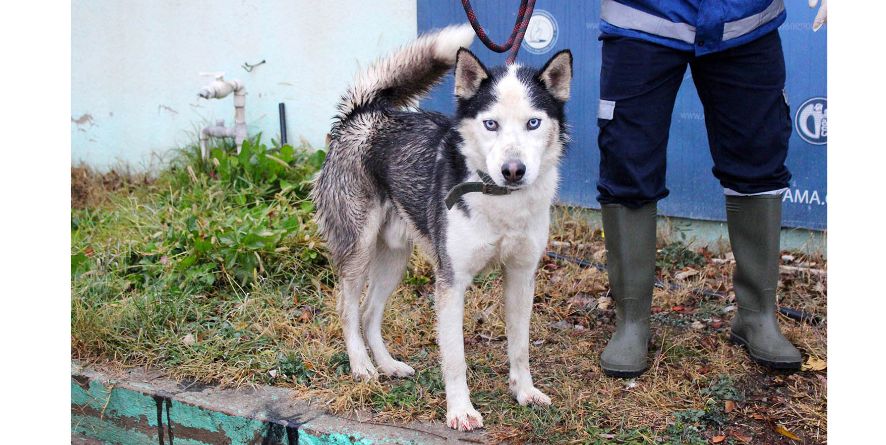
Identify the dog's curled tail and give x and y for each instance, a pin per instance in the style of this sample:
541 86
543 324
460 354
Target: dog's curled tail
404 76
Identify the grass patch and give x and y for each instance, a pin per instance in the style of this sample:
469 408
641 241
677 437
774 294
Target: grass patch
213 271
186 271
676 256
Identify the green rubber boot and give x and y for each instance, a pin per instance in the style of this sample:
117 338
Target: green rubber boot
630 246
754 230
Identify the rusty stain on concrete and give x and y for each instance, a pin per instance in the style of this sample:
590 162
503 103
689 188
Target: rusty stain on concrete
86 118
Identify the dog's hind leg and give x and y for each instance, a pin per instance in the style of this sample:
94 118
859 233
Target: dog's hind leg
349 313
353 273
385 271
519 289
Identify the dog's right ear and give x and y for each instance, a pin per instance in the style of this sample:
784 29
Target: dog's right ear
469 73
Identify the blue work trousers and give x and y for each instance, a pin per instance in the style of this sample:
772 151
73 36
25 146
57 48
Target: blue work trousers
747 118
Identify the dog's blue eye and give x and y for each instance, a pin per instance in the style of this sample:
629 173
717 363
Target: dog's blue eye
533 123
490 125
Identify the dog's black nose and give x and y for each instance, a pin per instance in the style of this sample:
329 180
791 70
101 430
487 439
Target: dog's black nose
513 170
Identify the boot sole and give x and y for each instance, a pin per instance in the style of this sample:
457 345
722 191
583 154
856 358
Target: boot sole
623 374
780 366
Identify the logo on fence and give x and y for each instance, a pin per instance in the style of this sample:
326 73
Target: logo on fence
541 34
812 121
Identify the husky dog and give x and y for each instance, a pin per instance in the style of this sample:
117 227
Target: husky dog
384 185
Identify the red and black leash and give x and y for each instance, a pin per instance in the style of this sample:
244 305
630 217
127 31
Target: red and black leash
513 43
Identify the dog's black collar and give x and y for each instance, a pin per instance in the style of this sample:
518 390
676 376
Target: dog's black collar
487 187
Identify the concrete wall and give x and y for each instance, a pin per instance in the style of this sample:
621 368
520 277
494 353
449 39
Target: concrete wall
135 65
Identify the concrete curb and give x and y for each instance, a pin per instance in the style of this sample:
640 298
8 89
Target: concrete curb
714 234
138 407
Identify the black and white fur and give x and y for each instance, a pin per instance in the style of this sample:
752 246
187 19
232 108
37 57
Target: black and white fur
383 185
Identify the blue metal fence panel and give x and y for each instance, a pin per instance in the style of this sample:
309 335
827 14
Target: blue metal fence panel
695 193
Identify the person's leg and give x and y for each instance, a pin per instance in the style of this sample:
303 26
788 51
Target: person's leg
638 86
630 262
754 224
749 124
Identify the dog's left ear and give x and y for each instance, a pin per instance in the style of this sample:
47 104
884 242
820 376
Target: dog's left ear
556 75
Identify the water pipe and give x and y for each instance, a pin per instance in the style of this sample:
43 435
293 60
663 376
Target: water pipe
218 89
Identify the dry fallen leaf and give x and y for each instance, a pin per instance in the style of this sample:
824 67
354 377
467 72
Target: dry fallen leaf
729 406
814 364
784 432
740 438
686 274
582 300
718 439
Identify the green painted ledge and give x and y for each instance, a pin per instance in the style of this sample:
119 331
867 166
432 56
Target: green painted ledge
138 407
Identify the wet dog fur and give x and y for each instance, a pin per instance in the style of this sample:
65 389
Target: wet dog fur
383 184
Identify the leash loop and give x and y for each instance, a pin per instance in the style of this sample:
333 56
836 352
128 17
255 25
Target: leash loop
516 38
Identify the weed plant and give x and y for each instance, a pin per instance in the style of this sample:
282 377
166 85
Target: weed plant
162 274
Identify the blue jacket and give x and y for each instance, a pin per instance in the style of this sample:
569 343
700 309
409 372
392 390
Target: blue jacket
701 26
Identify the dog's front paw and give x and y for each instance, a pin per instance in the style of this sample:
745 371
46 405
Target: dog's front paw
464 418
531 396
396 369
363 371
